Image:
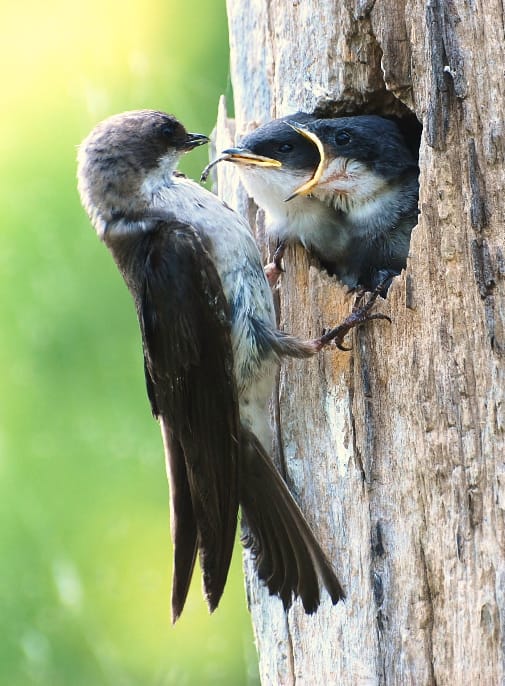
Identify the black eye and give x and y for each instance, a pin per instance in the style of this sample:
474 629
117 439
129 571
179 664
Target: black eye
285 147
342 137
167 130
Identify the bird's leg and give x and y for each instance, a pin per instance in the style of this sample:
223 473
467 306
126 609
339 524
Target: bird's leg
360 314
274 269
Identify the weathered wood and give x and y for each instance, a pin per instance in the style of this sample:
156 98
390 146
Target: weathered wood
395 451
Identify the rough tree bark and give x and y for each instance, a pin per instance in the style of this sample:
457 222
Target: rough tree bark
396 450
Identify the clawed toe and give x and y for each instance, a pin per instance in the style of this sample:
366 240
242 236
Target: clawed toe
360 315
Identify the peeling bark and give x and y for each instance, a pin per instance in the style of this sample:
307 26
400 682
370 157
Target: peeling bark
396 450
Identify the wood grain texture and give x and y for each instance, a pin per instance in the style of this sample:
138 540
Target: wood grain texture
396 450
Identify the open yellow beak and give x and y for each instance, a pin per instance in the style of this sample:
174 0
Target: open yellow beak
306 187
242 156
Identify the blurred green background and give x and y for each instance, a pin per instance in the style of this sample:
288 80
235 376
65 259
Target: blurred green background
85 552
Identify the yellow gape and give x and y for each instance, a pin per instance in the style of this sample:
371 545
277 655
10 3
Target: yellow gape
306 187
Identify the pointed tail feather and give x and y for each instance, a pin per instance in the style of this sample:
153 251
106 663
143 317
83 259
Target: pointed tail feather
287 556
182 520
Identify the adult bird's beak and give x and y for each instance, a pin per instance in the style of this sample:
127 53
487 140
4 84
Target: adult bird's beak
306 187
193 140
242 156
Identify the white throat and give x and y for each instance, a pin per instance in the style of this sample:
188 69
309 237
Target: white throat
161 176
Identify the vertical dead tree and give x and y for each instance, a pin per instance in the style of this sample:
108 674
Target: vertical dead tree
396 450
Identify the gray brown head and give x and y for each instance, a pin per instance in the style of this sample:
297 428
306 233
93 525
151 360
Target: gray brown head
124 157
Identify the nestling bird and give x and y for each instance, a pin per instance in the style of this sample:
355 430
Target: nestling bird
210 351
346 189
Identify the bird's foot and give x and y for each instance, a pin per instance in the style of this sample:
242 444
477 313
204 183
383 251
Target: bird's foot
361 313
274 269
272 272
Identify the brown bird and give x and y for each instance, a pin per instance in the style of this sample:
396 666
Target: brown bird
210 348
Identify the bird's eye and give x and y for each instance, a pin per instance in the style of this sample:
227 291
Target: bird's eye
342 137
285 147
167 130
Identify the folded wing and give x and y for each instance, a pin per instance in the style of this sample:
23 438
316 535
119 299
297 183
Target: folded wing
185 327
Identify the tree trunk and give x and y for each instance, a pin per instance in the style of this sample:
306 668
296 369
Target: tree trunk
395 450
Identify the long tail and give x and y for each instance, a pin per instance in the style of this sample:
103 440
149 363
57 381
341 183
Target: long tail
196 530
287 556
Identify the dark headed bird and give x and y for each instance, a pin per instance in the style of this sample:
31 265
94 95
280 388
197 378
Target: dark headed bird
210 351
346 189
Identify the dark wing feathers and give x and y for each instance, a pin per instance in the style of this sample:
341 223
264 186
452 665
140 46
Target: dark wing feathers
182 519
190 380
287 556
189 374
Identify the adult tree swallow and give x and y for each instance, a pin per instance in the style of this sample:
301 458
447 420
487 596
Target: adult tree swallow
210 350
346 188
